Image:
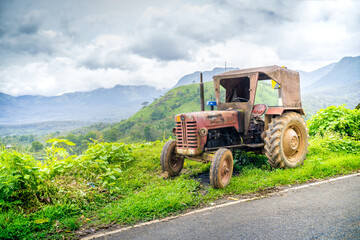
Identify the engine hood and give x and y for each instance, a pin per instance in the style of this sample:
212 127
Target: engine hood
211 119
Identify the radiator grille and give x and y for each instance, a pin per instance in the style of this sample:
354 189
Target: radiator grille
186 135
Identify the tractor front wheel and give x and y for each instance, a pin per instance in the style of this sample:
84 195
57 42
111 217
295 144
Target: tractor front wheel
221 168
286 141
170 161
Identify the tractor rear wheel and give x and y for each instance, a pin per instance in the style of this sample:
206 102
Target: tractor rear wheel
170 161
286 141
221 168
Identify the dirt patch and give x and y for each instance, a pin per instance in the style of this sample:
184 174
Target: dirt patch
202 178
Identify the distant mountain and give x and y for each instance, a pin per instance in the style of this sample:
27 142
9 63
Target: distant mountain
345 72
308 78
195 77
105 105
341 85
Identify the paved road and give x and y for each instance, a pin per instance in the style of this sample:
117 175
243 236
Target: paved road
326 211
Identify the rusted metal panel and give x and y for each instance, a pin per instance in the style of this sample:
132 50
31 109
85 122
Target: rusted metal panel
275 111
189 141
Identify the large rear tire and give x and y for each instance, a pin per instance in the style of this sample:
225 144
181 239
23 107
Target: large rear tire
221 168
170 161
286 141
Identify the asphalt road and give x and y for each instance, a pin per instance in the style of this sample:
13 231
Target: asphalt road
329 210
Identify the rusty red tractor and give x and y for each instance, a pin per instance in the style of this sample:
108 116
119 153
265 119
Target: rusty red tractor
211 136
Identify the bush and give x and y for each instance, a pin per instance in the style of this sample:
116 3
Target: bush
27 182
113 153
337 119
20 179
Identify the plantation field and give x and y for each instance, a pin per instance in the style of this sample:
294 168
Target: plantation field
116 184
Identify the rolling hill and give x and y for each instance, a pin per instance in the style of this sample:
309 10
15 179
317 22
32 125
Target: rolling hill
100 105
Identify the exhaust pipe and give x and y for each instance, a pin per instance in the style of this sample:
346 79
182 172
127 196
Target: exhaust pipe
202 103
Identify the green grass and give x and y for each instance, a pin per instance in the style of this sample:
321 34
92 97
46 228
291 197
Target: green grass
142 194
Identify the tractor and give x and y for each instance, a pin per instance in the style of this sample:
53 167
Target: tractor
210 136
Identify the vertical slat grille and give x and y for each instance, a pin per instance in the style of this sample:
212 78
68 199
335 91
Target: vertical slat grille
186 134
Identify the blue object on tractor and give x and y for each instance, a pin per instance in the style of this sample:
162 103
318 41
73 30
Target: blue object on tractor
211 104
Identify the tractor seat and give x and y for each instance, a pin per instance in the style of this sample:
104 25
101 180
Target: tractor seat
258 110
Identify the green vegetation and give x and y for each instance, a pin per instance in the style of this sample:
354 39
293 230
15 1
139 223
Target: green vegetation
116 183
336 119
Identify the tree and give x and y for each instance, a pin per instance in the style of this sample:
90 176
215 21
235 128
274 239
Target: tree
358 106
144 104
36 146
110 135
147 133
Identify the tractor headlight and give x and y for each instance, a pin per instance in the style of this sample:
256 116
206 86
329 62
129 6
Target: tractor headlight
203 132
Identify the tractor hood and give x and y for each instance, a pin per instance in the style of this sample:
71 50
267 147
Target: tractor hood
211 119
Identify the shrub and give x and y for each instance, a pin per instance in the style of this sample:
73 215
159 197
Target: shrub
20 177
113 153
337 119
101 164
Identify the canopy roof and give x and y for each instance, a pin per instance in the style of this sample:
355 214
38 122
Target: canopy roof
288 79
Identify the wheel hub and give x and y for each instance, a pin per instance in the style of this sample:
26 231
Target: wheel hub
225 171
291 142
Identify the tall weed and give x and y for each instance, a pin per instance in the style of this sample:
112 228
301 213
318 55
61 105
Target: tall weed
19 177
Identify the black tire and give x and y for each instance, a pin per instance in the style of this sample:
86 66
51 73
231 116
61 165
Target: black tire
170 161
221 168
286 141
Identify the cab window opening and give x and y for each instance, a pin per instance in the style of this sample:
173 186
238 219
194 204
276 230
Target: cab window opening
236 89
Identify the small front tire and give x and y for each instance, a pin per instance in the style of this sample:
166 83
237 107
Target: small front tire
170 161
221 168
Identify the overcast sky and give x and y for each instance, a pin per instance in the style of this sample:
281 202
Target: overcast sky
53 47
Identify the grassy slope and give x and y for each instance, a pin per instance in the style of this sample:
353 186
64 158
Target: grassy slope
159 116
145 195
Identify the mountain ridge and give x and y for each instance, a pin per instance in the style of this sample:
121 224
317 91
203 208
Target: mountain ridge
347 68
102 104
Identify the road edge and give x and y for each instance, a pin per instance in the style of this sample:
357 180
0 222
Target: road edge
235 201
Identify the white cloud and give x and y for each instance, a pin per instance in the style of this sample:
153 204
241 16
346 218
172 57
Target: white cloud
52 51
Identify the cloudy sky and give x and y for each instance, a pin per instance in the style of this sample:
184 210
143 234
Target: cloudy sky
54 47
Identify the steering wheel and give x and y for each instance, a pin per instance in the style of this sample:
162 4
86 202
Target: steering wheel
237 99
